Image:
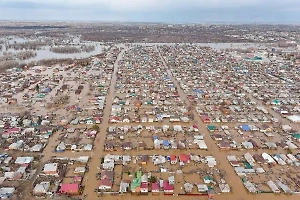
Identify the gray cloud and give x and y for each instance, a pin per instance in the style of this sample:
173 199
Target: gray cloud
286 11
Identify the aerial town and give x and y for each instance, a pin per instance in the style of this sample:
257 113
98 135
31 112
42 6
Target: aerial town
152 119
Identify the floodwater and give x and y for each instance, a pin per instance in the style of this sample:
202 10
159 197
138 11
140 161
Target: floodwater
45 53
90 182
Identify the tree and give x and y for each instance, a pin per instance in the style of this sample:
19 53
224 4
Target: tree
153 179
37 88
95 127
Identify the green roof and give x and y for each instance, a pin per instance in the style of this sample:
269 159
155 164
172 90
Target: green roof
208 178
211 127
296 135
139 174
135 183
247 165
276 101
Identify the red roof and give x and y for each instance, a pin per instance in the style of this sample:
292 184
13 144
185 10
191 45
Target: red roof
106 182
155 186
172 157
69 188
144 185
77 178
167 186
184 157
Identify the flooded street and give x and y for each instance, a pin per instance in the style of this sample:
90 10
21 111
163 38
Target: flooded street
90 181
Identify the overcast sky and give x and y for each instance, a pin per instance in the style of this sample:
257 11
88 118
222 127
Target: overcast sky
171 11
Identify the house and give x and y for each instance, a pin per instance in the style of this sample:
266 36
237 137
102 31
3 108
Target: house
142 145
69 188
116 108
155 188
109 146
218 137
105 174
166 144
79 170
173 159
126 119
188 188
168 188
224 187
202 188
41 188
135 185
51 169
105 184
184 158
174 118
108 165
224 145
144 187
205 119
265 128
124 185
211 128
114 119
6 192
208 180
126 146
296 136
258 158
144 159
254 144
171 180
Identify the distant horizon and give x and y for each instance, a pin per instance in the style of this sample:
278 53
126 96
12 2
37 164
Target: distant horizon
154 22
154 11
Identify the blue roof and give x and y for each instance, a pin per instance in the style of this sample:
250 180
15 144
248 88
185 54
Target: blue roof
47 90
245 128
155 137
198 91
166 143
